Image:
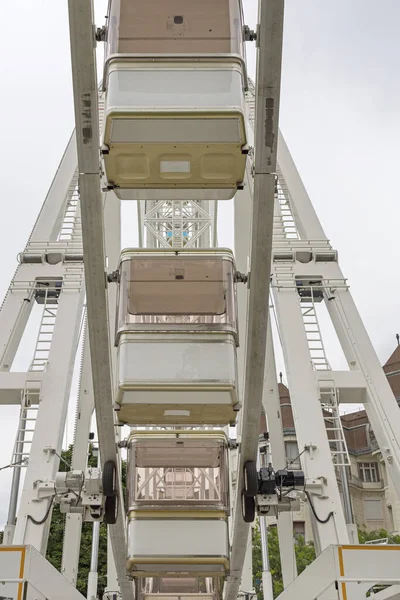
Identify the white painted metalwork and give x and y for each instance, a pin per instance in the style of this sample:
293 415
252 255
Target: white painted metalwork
24 572
305 270
178 224
71 226
45 334
313 334
80 226
346 572
92 205
270 34
333 423
26 426
42 277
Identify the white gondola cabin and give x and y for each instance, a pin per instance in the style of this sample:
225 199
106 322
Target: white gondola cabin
178 504
177 337
175 79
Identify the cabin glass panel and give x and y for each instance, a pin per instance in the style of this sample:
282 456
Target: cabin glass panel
177 293
140 86
191 473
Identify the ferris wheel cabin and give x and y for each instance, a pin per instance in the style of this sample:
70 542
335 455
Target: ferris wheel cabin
177 338
175 79
178 504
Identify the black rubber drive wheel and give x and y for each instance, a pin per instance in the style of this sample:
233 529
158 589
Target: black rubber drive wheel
248 508
250 478
109 476
110 510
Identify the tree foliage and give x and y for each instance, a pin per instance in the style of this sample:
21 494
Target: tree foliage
305 554
369 536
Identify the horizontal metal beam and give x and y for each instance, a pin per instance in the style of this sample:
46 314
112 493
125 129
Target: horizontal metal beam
13 385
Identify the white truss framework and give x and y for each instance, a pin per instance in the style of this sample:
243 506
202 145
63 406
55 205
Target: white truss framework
177 224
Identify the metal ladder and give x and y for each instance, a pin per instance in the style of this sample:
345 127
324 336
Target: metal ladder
333 423
284 278
26 426
284 222
71 228
284 231
44 338
313 333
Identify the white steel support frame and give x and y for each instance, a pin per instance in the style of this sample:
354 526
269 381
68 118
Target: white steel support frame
85 406
308 418
98 310
112 218
17 305
176 224
296 228
269 57
93 574
348 572
270 400
51 418
272 408
84 412
50 384
242 235
364 378
267 585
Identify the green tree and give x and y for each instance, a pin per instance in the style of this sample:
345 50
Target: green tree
305 554
274 561
369 536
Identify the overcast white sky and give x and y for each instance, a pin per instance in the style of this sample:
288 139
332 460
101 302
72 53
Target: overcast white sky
340 115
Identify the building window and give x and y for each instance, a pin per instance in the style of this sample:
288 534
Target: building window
292 455
391 519
368 472
373 509
299 528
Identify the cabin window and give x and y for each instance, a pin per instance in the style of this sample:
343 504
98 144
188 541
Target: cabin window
186 292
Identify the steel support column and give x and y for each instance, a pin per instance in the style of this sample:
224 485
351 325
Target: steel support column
270 34
87 132
272 408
